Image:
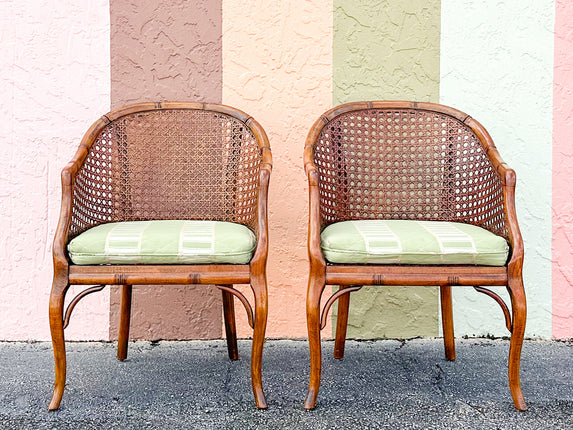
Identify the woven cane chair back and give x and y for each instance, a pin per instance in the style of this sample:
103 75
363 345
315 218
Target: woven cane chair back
400 163
168 164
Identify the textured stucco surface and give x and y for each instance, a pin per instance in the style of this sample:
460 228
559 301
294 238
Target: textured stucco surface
388 50
167 50
562 210
497 65
54 81
277 66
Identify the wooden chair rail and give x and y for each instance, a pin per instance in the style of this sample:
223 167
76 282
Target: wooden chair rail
157 274
415 275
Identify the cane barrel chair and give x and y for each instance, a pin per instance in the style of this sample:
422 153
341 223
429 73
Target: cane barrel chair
406 193
159 194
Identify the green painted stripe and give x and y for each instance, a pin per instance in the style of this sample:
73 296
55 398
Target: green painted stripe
382 51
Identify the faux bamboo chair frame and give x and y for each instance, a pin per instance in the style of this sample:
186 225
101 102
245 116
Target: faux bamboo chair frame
421 148
218 171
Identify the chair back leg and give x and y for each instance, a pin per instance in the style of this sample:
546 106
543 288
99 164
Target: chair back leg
341 325
230 326
124 321
448 322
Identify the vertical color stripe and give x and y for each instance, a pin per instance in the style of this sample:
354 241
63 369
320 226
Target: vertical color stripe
562 246
382 51
496 65
277 66
54 82
167 50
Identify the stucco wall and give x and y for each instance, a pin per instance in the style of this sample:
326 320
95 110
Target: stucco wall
284 62
54 82
388 51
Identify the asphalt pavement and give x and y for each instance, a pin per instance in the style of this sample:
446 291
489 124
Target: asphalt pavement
379 384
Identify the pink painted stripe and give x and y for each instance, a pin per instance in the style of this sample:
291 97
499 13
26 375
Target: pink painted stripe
562 220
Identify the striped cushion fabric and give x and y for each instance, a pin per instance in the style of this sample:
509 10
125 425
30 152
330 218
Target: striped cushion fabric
163 242
412 242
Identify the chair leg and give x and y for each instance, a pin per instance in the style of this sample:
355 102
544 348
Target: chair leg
448 322
259 286
519 313
230 326
56 311
315 288
341 325
124 320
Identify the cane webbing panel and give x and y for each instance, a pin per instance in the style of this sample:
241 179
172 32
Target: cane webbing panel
406 164
169 164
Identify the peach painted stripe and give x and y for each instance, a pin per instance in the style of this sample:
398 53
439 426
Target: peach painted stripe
562 219
277 66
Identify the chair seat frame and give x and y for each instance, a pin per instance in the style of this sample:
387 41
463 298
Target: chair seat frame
351 277
223 276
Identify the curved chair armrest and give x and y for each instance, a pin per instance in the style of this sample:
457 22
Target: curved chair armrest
314 222
508 179
68 175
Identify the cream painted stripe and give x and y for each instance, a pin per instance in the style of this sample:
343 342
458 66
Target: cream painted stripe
277 66
500 71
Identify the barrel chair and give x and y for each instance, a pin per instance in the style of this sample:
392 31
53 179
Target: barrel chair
165 193
411 194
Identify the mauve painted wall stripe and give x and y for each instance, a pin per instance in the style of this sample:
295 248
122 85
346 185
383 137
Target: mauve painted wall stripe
167 50
562 244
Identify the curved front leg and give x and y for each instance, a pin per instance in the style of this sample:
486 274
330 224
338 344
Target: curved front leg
259 287
315 287
519 311
56 311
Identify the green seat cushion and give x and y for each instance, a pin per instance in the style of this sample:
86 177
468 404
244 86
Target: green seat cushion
412 242
163 242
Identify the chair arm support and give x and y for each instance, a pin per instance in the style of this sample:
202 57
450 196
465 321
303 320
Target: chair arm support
60 239
261 251
314 249
515 239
